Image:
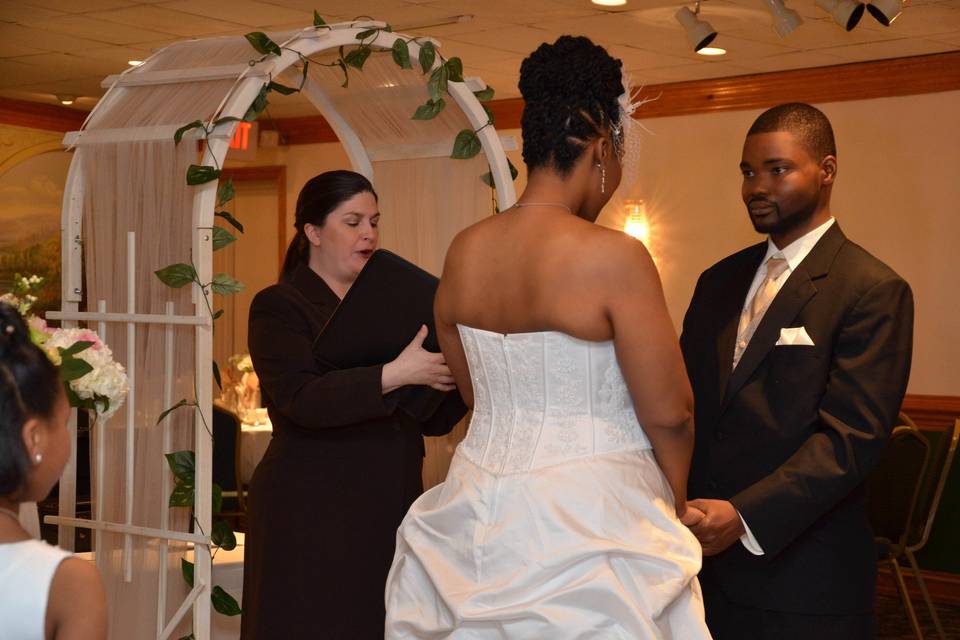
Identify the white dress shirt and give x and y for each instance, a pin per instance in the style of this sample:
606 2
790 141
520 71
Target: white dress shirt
793 253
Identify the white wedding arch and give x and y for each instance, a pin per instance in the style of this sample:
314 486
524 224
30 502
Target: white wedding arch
128 212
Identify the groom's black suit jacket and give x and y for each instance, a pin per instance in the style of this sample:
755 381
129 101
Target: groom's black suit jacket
789 435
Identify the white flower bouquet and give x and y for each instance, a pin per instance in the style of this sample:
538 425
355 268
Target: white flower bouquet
92 379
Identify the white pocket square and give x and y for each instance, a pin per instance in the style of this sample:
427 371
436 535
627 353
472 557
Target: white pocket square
794 336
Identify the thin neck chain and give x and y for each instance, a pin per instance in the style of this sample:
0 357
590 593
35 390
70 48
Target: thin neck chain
13 514
543 204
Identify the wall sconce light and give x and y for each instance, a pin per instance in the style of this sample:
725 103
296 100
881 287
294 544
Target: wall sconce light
636 224
885 11
846 13
699 32
784 20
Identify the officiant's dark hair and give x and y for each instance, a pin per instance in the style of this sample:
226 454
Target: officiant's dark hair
321 195
570 90
29 386
810 126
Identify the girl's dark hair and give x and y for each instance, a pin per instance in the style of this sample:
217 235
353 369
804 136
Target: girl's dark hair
321 195
29 386
570 89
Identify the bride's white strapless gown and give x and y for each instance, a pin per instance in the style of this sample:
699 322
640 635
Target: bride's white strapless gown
555 521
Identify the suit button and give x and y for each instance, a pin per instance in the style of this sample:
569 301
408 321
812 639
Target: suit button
718 436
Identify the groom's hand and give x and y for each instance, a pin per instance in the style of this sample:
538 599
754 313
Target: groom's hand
720 526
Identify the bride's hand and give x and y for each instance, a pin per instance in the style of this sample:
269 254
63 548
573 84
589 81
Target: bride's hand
416 365
691 516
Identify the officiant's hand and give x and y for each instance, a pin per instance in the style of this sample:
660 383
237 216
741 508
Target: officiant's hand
720 526
416 365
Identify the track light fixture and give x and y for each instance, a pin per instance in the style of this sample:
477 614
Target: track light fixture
846 13
885 11
699 32
784 20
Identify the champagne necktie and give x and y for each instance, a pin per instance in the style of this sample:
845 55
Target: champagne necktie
754 311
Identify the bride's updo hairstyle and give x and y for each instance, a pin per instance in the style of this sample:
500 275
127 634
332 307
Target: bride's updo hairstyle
571 90
29 387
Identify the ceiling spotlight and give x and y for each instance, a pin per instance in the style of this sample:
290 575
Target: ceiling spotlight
699 32
784 20
885 11
846 13
609 3
712 51
134 63
66 99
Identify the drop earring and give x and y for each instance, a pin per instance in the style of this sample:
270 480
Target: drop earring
38 458
603 179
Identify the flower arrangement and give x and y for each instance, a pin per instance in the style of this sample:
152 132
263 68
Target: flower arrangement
92 379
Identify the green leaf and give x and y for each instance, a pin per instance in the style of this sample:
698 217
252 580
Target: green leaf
363 35
401 54
317 20
217 314
466 145
229 218
182 463
489 113
216 496
181 496
282 89
260 103
75 348
103 401
455 69
201 174
177 275
223 536
225 192
225 120
221 238
357 57
488 176
224 284
428 54
186 567
346 75
437 84
178 136
262 43
188 637
182 403
429 110
223 602
216 375
484 95
74 368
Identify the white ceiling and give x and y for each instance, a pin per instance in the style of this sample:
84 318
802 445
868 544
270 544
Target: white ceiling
51 47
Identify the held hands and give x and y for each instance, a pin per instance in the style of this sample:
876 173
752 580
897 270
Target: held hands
416 365
716 524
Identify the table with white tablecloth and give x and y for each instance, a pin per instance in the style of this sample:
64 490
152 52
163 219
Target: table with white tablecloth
254 439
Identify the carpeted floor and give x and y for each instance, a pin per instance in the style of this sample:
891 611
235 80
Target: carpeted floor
894 625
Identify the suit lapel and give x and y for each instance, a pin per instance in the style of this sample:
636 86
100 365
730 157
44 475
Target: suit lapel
728 313
792 298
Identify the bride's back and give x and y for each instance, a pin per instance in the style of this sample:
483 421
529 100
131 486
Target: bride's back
536 268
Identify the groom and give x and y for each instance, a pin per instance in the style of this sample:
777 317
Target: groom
798 350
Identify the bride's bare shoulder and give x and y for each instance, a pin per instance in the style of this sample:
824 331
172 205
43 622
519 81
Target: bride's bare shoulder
612 256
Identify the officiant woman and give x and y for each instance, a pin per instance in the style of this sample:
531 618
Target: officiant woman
344 464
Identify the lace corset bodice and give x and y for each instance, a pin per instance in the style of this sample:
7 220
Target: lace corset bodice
543 398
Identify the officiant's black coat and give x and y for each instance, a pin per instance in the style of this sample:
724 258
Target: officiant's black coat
790 434
341 471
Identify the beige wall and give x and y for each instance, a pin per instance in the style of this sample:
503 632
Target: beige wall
897 194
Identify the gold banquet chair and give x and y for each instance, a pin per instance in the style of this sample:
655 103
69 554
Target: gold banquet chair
928 502
893 489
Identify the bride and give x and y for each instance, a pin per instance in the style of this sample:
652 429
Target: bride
559 515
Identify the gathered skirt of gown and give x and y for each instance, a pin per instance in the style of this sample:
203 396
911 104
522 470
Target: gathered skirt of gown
555 520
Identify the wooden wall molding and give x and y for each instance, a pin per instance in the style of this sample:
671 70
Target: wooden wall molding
934 413
36 115
857 81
